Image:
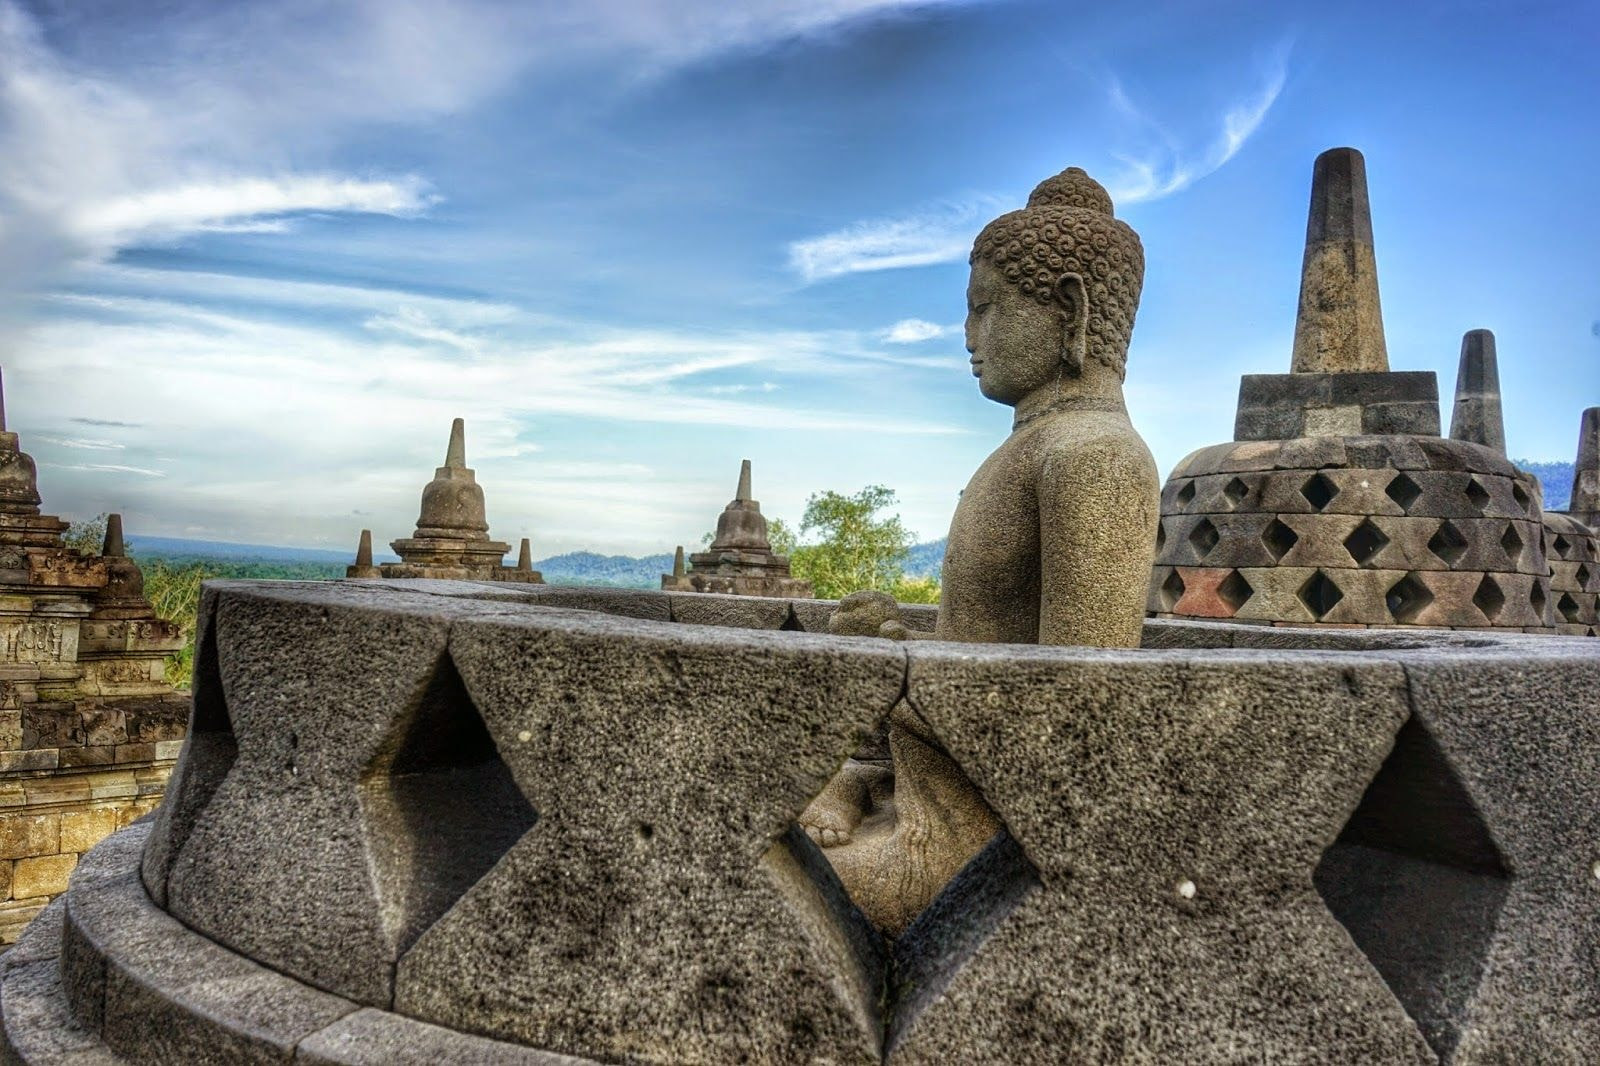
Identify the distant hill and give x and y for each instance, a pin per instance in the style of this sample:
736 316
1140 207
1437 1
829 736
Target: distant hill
1556 479
926 559
588 568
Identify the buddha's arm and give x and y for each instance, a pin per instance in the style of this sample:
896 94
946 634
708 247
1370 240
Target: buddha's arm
1097 523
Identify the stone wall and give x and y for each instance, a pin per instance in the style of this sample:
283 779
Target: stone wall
448 822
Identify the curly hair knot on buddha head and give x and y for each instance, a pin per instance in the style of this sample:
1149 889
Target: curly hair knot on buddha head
1069 227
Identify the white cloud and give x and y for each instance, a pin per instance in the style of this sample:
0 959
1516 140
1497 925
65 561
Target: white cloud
1163 166
189 117
940 234
80 442
107 468
916 330
245 205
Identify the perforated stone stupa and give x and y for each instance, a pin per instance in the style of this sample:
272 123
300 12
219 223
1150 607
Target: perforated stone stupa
451 540
1572 540
89 727
740 559
1338 502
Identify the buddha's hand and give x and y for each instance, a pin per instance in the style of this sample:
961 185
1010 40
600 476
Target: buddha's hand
866 614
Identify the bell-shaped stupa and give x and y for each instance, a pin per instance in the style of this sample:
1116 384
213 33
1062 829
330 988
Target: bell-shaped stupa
740 560
1338 502
451 540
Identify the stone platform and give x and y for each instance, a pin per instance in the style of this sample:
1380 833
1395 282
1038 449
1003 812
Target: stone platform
457 822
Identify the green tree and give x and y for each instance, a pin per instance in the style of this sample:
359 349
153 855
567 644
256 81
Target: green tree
86 537
856 549
174 593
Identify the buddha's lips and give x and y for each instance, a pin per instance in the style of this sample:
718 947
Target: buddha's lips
977 366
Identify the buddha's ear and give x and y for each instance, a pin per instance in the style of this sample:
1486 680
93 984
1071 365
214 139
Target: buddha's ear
1072 301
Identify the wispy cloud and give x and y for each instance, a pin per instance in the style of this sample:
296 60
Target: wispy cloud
246 205
1159 166
916 330
80 442
107 468
1163 164
938 234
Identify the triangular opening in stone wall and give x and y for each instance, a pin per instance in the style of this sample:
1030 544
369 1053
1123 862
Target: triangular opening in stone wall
441 807
1417 880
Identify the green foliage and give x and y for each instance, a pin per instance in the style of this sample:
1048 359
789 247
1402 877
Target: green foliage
174 592
782 538
856 549
916 590
86 537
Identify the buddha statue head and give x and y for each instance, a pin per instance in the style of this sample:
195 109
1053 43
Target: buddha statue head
1053 291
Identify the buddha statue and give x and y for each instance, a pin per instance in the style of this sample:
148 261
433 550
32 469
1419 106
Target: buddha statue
1051 543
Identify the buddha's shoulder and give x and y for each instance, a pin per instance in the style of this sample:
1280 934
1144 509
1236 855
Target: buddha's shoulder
1090 435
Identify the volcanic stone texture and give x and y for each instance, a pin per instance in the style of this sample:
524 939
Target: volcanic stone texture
1357 531
1239 844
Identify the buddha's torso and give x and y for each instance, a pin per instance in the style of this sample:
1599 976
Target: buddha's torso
992 566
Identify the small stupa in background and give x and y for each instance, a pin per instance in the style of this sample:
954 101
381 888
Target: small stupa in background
1572 540
740 560
451 540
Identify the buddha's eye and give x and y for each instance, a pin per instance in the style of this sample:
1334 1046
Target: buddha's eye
978 309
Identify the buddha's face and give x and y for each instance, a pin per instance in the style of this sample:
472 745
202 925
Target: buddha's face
1016 341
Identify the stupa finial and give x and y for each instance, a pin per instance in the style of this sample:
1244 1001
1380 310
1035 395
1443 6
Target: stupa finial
364 549
525 555
743 493
677 562
1340 322
2 403
113 548
455 456
1585 501
1477 416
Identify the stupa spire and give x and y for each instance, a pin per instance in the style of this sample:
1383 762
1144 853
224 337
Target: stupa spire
113 548
525 555
455 456
742 495
677 562
364 549
1477 417
1585 503
1340 323
2 402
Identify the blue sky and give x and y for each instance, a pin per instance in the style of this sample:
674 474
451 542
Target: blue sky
254 258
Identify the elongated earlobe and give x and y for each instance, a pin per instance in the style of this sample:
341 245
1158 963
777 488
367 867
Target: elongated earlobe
1072 300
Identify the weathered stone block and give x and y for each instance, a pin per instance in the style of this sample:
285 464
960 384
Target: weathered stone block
42 875
745 958
22 835
1188 803
82 830
376 1038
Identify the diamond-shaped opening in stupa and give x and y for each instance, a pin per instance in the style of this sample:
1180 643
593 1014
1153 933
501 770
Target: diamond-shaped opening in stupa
1417 880
440 805
1568 608
1520 494
1171 590
1407 597
1235 491
1489 598
1204 537
1278 539
1161 535
1448 544
1186 494
1582 576
1365 542
902 882
1234 590
1403 491
1511 541
1477 495
1562 546
1319 490
1319 594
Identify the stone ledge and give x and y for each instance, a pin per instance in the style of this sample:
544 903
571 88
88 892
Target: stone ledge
63 987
